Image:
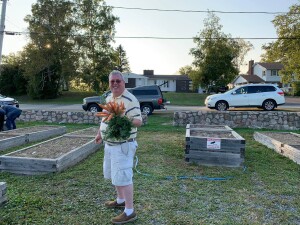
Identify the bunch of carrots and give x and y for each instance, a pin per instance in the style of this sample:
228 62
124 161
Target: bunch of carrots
111 109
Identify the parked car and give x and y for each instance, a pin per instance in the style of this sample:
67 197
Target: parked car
266 96
150 98
4 100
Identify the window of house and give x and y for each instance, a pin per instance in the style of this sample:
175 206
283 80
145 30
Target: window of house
166 83
274 73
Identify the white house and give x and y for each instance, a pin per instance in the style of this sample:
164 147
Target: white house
172 83
260 73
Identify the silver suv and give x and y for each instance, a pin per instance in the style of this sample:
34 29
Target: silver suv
266 96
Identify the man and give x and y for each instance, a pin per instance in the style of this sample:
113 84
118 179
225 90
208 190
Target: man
119 156
12 113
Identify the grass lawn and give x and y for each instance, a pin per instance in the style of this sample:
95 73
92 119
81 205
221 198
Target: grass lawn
267 192
75 97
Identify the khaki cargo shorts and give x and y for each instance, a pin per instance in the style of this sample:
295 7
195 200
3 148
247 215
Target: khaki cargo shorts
118 163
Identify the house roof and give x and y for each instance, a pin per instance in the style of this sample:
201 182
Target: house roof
249 78
252 78
271 66
168 77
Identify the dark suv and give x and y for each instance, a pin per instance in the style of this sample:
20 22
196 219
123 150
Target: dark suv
150 98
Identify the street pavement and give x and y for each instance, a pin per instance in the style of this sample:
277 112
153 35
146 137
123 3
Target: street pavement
291 103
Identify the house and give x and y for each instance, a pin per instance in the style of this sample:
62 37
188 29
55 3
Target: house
172 83
260 73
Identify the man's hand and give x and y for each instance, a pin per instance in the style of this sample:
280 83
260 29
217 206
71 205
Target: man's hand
98 139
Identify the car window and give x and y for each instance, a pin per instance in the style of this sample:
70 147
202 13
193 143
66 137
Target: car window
254 89
268 88
241 90
144 92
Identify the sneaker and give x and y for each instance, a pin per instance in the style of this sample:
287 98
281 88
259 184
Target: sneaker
114 204
123 218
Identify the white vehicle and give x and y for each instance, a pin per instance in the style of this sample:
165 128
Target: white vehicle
266 96
4 100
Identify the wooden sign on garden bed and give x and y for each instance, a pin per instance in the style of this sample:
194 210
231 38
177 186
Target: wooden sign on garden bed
214 146
3 197
53 155
16 137
284 143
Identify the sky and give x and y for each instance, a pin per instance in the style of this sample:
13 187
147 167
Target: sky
165 57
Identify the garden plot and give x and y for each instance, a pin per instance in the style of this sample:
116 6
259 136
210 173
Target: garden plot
208 127
16 137
214 146
88 132
53 155
284 143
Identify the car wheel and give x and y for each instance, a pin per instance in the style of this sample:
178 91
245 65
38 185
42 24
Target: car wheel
147 109
269 104
94 108
221 106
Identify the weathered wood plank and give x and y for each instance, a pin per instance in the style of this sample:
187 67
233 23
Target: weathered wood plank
215 159
76 155
279 147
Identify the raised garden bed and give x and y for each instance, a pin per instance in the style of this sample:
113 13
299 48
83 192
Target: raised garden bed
208 127
88 132
53 155
284 143
214 146
3 197
12 138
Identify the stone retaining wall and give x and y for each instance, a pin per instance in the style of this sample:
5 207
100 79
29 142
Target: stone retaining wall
62 117
246 119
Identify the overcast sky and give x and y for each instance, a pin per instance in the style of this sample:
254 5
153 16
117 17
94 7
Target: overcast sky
167 56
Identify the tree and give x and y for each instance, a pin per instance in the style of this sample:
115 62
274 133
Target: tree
95 30
216 55
50 59
185 70
122 63
287 48
12 80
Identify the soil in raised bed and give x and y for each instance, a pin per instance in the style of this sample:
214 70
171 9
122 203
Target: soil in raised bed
92 131
5 136
214 134
32 129
284 137
53 149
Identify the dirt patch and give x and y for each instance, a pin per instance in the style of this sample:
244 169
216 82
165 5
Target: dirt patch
90 132
30 129
284 137
213 134
54 148
3 136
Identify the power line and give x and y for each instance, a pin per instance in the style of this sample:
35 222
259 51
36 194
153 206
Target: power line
147 37
198 11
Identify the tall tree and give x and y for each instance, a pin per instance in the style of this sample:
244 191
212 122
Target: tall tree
122 63
287 48
12 80
50 57
95 30
216 55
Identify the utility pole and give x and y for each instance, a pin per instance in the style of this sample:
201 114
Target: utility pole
2 27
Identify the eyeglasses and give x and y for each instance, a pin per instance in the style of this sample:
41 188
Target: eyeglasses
115 81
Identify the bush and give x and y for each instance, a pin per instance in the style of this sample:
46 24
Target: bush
12 81
296 88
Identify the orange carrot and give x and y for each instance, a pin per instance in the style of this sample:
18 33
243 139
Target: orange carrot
103 107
